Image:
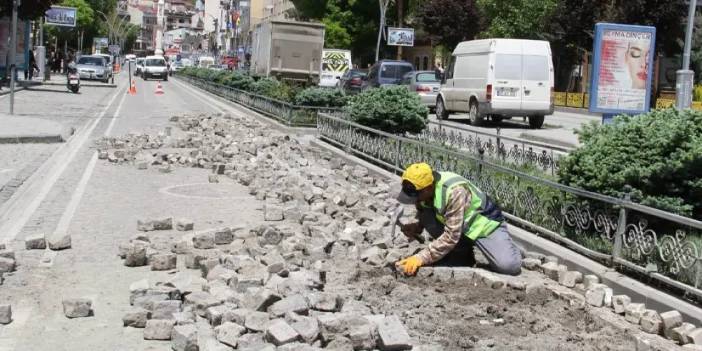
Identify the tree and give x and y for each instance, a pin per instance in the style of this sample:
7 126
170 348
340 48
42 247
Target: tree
450 21
524 19
29 9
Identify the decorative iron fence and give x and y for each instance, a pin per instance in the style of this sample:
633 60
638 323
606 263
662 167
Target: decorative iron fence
284 112
633 238
502 149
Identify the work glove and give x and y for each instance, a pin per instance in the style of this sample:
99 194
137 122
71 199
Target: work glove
410 264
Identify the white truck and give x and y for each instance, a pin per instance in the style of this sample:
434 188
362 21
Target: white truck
335 63
499 78
288 50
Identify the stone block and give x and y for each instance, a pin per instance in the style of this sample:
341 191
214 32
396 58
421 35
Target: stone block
599 295
256 321
228 333
201 301
619 302
569 278
159 329
183 318
204 240
489 279
223 236
680 334
8 254
262 300
137 318
280 332
633 312
294 303
184 224
551 269
669 320
307 327
651 322
7 265
324 301
392 335
59 241
213 178
35 242
163 262
5 314
589 280
531 264
147 225
166 309
214 314
272 212
136 255
184 338
237 316
77 308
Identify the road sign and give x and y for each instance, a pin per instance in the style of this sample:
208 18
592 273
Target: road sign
61 16
114 49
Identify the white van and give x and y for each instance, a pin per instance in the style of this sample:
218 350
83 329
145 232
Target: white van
500 78
205 61
334 64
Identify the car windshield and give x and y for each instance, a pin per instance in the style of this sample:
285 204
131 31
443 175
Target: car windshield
156 62
91 61
427 77
394 71
355 74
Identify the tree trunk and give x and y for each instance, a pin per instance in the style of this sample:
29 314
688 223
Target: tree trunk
400 21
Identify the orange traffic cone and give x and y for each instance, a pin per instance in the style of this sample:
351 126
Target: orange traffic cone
159 89
132 88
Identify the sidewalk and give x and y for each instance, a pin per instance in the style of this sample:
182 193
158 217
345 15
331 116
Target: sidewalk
60 79
26 129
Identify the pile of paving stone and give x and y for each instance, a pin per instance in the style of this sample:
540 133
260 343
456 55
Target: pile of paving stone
284 283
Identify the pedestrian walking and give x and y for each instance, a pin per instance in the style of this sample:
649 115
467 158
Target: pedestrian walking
31 66
458 215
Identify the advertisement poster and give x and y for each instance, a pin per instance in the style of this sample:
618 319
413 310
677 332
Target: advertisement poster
60 16
622 68
22 41
400 36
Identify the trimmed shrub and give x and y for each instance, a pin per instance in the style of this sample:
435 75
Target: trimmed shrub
239 80
273 88
658 154
320 97
392 109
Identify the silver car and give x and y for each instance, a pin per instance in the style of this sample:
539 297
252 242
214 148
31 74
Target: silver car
425 84
94 67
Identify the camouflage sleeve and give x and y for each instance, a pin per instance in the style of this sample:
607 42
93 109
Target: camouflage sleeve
453 228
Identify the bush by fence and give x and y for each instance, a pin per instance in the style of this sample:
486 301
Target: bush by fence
393 110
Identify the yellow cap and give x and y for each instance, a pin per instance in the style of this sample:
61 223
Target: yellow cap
419 174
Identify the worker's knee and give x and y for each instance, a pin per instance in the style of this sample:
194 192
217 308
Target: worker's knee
511 265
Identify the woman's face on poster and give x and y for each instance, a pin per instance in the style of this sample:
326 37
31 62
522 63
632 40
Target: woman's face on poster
636 59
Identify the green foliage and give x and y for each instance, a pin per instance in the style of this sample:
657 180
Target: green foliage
273 88
238 80
320 97
658 154
335 35
85 15
523 19
393 110
450 21
28 9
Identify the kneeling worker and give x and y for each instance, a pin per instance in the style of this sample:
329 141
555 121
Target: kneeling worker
458 215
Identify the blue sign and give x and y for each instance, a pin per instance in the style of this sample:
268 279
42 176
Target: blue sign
61 16
622 69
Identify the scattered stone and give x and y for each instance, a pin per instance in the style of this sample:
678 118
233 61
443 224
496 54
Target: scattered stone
213 178
633 312
147 225
184 224
531 264
136 319
184 338
77 308
136 255
323 301
158 329
5 314
393 335
166 309
651 322
551 269
279 332
201 301
59 241
204 240
223 236
599 295
569 278
619 302
7 265
272 212
680 334
295 303
228 333
256 321
669 321
163 262
590 280
307 327
35 242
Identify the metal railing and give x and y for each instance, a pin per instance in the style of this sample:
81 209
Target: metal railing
642 241
506 150
284 112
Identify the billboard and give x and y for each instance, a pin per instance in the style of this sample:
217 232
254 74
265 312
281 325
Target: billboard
622 68
400 36
22 56
61 16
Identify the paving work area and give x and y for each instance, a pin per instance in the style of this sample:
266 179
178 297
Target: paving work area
217 232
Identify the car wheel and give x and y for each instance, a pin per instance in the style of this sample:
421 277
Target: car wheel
441 112
474 114
536 122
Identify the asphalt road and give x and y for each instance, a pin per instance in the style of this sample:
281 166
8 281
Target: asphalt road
98 204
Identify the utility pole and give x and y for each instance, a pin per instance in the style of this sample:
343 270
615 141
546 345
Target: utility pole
383 7
400 20
13 54
685 76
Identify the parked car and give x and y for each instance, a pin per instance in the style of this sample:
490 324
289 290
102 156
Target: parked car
426 84
499 78
139 66
352 81
386 72
93 67
155 67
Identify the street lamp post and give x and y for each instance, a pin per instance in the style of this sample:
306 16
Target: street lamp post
13 54
685 76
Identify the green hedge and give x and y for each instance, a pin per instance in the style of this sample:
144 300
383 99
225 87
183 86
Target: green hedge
390 109
658 154
321 97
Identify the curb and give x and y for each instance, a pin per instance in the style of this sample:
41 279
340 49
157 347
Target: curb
580 111
83 85
32 139
7 91
547 140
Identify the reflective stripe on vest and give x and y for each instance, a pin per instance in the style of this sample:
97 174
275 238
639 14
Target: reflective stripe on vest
475 224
